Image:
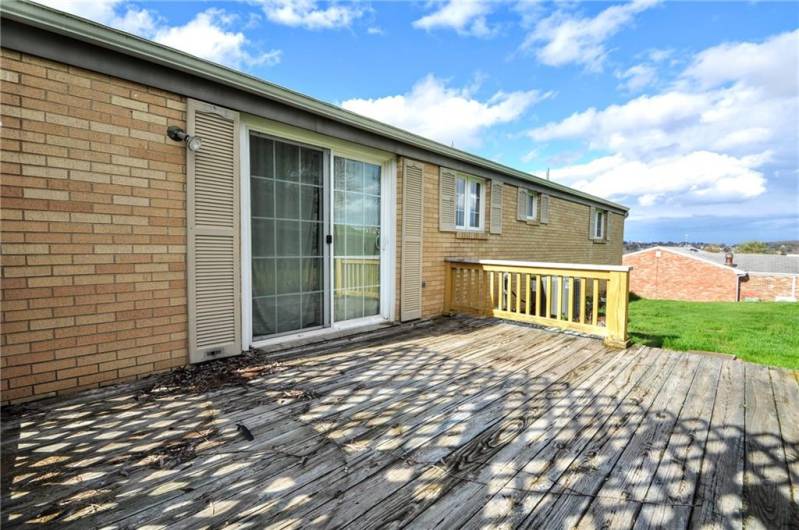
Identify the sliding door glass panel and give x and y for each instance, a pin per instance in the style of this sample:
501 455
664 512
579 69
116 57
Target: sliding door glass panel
287 231
356 239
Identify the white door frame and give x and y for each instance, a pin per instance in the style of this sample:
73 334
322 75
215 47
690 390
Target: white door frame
332 147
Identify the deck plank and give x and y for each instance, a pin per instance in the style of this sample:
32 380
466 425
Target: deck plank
614 503
718 497
347 493
767 490
326 454
457 423
670 497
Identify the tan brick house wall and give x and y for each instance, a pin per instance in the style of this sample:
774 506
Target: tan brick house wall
672 276
563 239
93 229
767 287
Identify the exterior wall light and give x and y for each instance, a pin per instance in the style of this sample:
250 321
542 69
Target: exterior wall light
194 143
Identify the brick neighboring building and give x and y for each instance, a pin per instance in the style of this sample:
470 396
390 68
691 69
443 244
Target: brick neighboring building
684 273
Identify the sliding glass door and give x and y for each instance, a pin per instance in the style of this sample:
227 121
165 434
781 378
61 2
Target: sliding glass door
286 195
315 222
356 241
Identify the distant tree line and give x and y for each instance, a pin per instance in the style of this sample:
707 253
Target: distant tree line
747 247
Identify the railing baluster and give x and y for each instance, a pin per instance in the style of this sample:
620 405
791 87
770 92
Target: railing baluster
570 301
491 289
595 303
518 292
548 304
538 295
559 314
527 294
582 300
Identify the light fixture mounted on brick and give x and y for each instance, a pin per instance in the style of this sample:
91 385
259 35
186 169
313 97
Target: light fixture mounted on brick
194 143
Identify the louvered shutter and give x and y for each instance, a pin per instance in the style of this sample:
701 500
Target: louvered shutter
496 207
543 215
213 233
591 222
607 226
521 206
446 200
412 225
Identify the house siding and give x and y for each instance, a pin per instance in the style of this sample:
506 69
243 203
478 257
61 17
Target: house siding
93 233
675 277
563 239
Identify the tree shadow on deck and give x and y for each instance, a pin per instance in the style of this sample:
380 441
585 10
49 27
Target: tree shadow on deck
470 423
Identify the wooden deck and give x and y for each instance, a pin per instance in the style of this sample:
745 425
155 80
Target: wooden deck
460 424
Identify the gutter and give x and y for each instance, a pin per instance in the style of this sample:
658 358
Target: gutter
77 28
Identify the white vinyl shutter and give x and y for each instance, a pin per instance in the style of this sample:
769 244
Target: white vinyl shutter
591 222
412 228
543 216
521 206
446 200
496 207
213 233
607 226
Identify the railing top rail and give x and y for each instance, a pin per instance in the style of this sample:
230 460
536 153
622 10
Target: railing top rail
542 264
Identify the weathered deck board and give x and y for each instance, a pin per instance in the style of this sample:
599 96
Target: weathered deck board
464 423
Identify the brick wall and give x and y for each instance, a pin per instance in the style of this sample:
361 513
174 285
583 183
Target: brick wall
767 287
93 229
673 276
564 239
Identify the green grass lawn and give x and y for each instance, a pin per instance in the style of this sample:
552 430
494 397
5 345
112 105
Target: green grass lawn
760 332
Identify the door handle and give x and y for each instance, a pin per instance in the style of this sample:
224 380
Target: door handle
378 246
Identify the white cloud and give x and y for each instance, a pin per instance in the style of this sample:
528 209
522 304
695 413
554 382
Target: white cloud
637 77
697 177
562 38
308 13
207 35
716 135
448 115
466 17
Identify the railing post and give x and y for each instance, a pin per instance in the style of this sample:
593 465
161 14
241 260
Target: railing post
616 309
448 288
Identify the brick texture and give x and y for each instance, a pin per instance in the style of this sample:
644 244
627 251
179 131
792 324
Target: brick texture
767 287
672 276
93 229
563 239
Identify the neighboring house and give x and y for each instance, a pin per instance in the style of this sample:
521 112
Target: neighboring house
687 273
129 247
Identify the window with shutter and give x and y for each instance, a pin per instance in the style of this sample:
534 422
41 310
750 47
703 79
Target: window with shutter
213 233
496 207
412 228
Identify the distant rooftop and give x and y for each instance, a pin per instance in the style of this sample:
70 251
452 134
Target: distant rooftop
746 262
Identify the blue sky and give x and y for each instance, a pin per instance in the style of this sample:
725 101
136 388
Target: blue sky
687 112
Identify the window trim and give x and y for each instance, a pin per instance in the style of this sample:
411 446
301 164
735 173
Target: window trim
467 180
536 202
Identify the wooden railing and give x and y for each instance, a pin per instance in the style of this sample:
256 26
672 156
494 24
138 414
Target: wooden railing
587 298
357 276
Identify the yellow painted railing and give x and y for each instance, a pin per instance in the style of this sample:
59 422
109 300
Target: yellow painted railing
357 276
591 299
